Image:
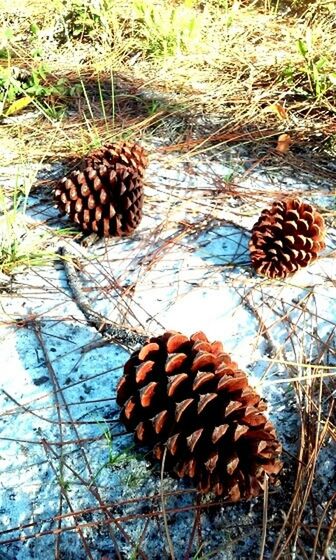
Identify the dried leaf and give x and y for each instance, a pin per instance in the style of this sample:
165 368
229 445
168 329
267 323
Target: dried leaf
284 142
279 110
18 105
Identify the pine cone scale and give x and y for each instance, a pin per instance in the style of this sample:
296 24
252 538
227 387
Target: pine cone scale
219 432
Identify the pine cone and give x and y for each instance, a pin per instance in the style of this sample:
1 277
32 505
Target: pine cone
186 396
127 153
105 196
103 199
288 236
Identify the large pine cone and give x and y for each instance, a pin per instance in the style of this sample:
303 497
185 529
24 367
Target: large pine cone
106 197
288 236
186 396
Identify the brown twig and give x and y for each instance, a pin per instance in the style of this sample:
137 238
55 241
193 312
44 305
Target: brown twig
108 329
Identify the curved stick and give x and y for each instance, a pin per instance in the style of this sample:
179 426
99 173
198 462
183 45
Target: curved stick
108 329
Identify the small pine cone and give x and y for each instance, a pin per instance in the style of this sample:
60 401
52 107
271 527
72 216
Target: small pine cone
127 153
288 236
102 199
188 401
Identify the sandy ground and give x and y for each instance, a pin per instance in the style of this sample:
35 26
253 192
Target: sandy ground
72 482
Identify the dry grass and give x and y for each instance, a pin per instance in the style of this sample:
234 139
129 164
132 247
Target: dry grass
247 73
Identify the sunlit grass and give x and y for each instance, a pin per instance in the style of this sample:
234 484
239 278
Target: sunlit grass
21 246
251 65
